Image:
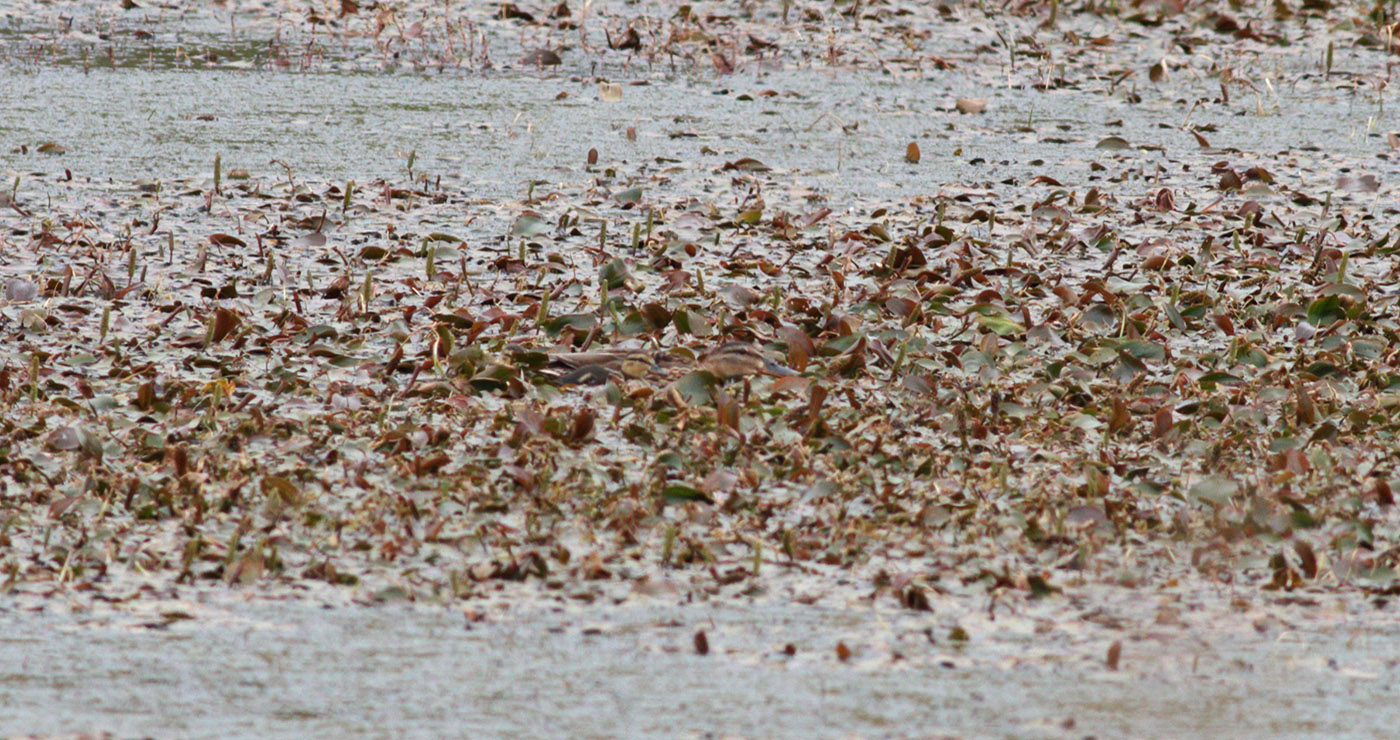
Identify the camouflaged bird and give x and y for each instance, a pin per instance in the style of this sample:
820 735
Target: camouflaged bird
597 367
740 360
729 360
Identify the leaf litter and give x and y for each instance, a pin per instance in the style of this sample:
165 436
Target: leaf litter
1154 362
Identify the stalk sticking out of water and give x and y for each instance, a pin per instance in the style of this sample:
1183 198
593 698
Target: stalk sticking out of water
34 377
218 172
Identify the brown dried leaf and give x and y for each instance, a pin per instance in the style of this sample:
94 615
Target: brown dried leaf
970 105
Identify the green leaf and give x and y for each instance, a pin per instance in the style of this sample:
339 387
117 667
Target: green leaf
695 387
633 323
1147 487
1175 317
1322 369
1015 410
752 216
669 458
614 274
1143 350
688 322
839 345
682 320
1084 421
1127 368
1001 325
528 226
676 493
1326 310
1100 316
1215 490
579 321
1367 349
1219 377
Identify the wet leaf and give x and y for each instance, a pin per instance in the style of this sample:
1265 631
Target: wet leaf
609 92
530 226
540 58
680 493
971 105
1115 654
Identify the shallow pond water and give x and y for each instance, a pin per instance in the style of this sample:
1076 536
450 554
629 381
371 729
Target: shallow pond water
495 133
223 666
261 669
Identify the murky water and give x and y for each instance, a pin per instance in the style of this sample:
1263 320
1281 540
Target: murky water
841 135
266 669
259 669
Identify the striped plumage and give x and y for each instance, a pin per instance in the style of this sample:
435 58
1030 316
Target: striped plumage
597 367
739 360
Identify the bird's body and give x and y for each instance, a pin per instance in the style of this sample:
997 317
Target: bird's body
739 360
597 367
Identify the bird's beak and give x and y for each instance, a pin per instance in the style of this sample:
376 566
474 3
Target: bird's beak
773 368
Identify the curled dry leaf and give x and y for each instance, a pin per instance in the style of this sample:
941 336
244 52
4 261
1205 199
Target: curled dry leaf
540 58
628 41
971 105
226 240
314 239
20 291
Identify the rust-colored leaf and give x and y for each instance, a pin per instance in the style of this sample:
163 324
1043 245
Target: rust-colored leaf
1115 653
